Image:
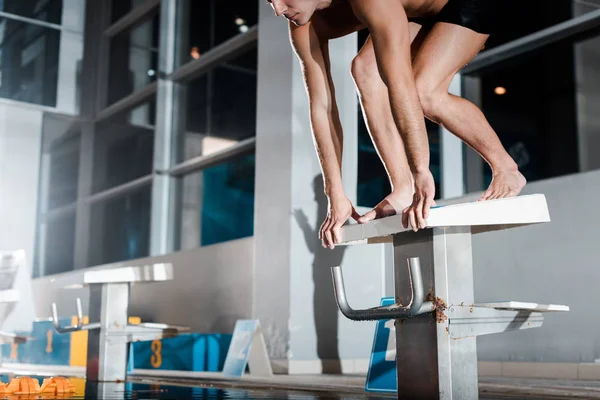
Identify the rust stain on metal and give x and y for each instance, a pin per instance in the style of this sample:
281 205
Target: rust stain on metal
439 306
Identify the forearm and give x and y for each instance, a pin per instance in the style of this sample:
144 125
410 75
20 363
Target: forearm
409 118
328 140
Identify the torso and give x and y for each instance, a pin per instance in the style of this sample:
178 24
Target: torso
339 20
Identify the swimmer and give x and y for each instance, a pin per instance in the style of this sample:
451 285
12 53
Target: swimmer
402 74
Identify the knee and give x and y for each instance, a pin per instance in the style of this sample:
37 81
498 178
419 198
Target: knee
364 69
431 98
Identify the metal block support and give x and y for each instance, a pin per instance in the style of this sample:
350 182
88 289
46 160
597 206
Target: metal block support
436 317
109 337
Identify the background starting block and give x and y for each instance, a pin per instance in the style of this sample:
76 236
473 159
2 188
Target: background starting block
381 376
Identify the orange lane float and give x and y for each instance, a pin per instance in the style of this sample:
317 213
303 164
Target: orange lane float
57 386
23 385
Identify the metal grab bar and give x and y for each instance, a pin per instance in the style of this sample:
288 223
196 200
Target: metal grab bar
72 328
417 304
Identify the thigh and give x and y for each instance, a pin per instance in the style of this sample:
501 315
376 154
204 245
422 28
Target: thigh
444 51
417 35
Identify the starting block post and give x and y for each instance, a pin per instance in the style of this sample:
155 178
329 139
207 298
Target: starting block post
109 337
436 318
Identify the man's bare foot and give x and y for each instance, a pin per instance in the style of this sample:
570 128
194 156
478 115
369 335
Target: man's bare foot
504 184
393 204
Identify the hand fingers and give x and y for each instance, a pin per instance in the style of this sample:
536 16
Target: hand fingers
336 232
368 217
329 238
322 228
326 231
355 215
419 214
405 217
429 202
412 219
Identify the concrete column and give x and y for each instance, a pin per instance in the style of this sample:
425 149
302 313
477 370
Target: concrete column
293 295
169 104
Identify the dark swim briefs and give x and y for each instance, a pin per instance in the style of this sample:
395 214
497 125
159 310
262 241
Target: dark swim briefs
478 15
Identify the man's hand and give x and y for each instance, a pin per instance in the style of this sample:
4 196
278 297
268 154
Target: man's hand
339 210
418 211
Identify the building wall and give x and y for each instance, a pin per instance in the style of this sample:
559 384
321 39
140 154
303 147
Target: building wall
20 148
211 289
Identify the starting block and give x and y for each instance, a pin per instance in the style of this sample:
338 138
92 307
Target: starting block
436 319
109 338
9 297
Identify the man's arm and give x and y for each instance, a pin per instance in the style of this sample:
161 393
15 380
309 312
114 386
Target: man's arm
312 52
388 24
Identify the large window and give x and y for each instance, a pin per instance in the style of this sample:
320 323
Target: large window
41 10
220 108
120 227
123 149
212 22
217 203
64 172
29 56
106 184
133 59
542 104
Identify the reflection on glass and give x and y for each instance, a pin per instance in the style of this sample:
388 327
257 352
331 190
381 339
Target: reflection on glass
28 62
520 18
133 59
221 108
64 172
217 204
59 244
120 8
120 228
212 22
123 149
43 10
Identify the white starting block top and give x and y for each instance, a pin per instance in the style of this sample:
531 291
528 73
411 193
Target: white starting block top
144 273
9 296
482 216
517 305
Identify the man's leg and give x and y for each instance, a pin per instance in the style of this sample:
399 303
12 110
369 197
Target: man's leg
445 50
377 113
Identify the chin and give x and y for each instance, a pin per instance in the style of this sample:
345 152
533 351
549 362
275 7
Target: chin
301 21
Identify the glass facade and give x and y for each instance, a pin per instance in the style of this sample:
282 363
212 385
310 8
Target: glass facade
120 8
64 172
120 227
220 108
41 10
59 244
29 56
212 22
133 61
123 151
217 203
